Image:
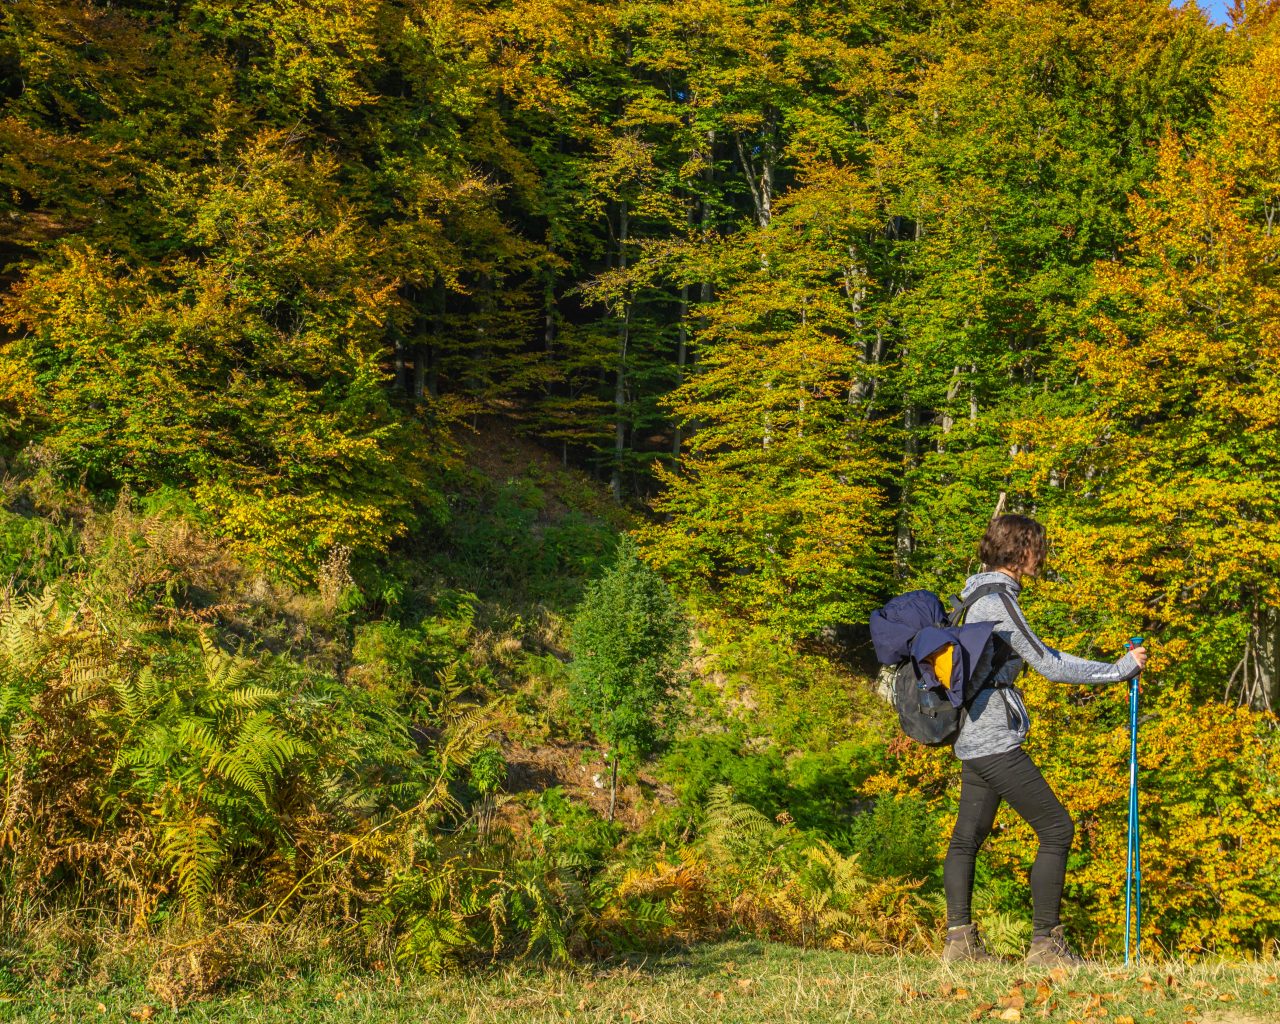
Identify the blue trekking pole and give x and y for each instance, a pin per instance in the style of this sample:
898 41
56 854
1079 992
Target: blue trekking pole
1133 872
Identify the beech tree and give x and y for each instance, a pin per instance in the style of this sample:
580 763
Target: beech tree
1164 484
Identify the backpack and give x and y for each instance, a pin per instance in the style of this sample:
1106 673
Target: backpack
941 663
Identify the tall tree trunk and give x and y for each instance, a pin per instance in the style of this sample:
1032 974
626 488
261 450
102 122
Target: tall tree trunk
620 378
419 370
759 174
400 382
704 221
855 291
682 351
682 329
437 340
903 542
953 390
1256 679
549 314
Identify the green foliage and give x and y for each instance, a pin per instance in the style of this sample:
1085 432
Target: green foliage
488 771
502 540
784 883
897 837
148 767
278 320
819 284
33 551
630 640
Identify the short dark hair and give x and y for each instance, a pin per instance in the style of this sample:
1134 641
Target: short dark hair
1010 539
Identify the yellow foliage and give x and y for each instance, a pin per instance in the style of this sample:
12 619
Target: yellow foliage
18 394
1210 809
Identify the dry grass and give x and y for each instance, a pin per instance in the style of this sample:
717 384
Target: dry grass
734 983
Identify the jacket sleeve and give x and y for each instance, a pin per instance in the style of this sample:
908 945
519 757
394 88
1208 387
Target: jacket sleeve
1057 666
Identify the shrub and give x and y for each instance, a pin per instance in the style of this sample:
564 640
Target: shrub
630 639
898 837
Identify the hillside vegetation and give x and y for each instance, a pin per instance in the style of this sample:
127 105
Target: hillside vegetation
449 453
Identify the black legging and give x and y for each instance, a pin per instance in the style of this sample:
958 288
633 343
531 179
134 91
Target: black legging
1014 778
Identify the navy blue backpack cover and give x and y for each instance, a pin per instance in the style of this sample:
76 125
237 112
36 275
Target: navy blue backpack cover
941 661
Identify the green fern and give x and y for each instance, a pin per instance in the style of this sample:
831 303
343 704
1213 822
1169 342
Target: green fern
26 624
190 847
738 831
213 744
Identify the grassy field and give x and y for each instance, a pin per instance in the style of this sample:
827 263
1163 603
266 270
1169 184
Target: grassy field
727 982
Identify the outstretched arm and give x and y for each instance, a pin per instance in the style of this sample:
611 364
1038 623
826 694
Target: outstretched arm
1058 666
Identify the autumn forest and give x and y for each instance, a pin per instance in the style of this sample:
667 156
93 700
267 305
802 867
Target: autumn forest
363 365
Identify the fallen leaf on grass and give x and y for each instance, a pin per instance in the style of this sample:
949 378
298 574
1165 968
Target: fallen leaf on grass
718 996
980 1009
961 993
144 1012
1125 1020
1010 1013
1043 992
102 1008
1226 997
1058 975
1015 1000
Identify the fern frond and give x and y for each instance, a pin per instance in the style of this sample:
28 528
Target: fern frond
190 849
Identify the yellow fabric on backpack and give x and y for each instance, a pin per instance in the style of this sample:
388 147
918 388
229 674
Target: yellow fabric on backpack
940 661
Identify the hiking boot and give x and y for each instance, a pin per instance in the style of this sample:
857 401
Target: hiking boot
1052 950
964 944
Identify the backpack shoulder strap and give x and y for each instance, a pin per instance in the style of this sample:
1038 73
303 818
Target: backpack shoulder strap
959 611
960 606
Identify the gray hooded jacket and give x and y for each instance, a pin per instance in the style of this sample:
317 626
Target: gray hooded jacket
997 719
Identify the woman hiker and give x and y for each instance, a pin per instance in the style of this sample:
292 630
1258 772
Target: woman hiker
994 766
